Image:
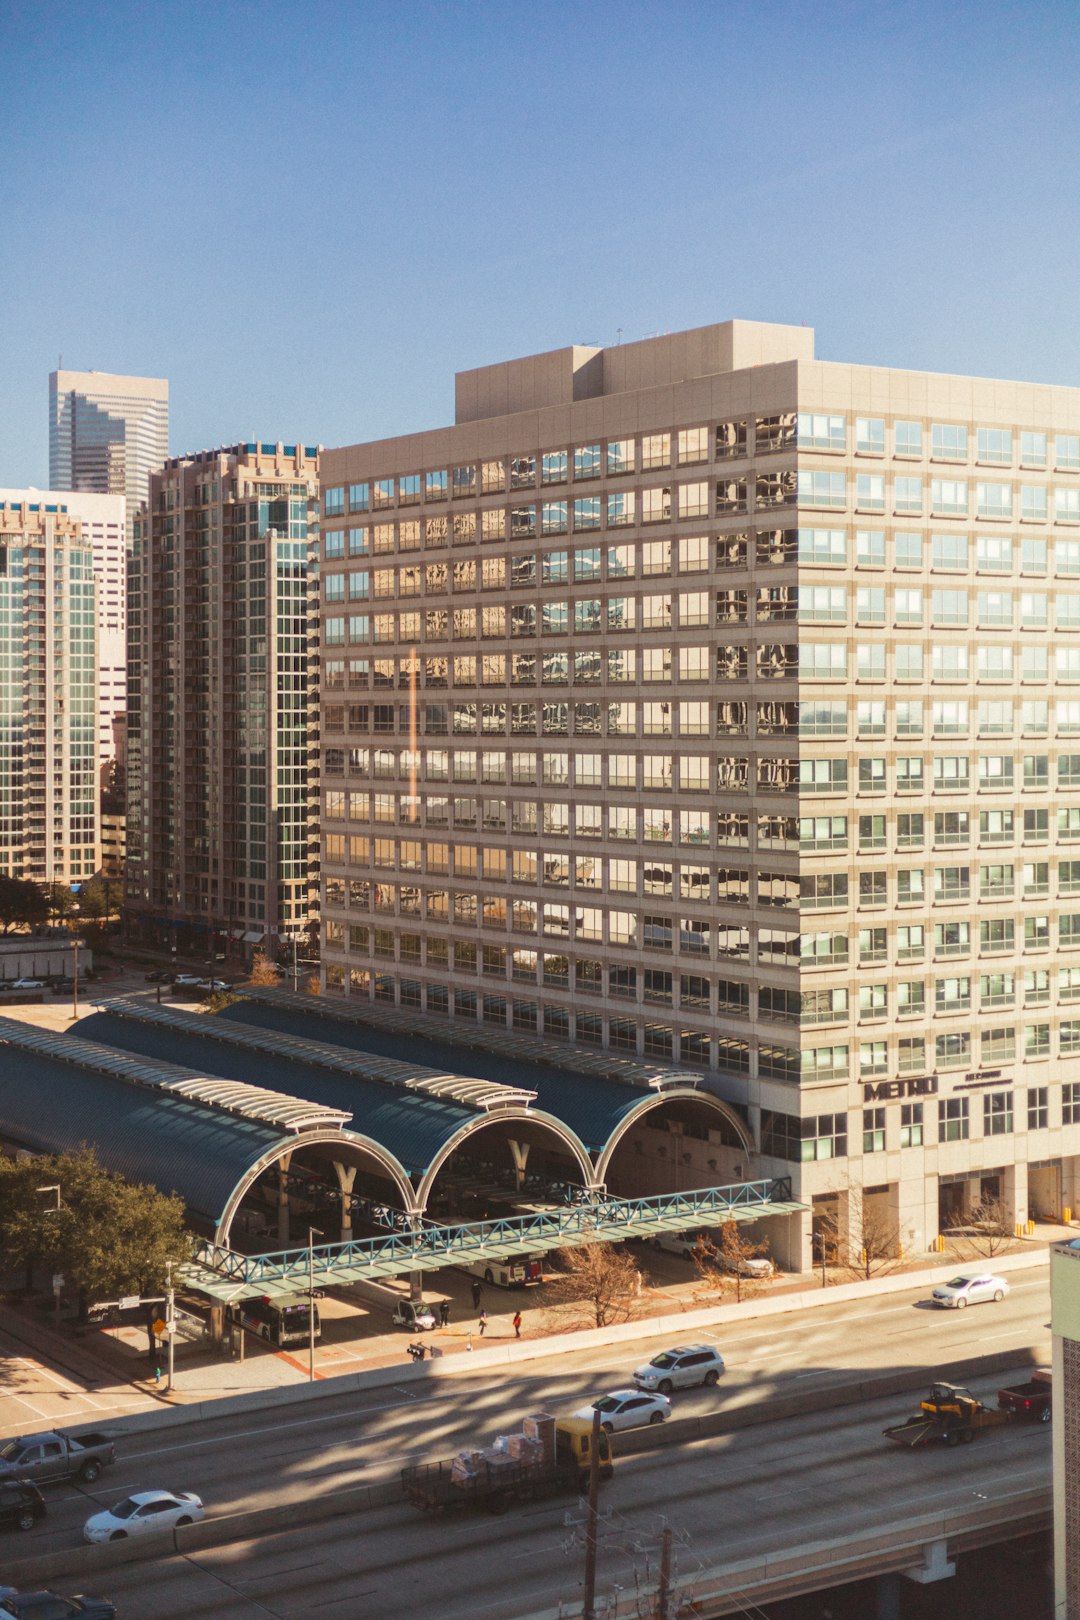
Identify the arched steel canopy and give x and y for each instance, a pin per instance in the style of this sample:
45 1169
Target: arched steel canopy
154 1121
596 1107
413 1126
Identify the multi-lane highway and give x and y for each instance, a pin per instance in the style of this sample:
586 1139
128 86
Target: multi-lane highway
764 1486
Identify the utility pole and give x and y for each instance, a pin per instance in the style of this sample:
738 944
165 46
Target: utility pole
58 1281
588 1608
663 1597
312 1233
170 1321
75 977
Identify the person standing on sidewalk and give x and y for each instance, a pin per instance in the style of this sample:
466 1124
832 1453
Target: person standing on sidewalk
517 1324
476 1292
444 1312
483 1322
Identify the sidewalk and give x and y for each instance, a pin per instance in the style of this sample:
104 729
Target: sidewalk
77 1373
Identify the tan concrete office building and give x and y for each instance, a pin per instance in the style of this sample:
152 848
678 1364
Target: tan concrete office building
702 700
222 678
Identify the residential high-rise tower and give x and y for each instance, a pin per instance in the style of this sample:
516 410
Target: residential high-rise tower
48 693
222 661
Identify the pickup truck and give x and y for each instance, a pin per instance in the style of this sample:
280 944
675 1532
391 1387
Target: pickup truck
47 1457
1030 1400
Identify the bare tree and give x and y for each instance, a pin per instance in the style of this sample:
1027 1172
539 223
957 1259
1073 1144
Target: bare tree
872 1248
723 1262
986 1230
602 1273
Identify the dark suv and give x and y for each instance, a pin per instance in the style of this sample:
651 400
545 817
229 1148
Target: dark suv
51 1606
21 1504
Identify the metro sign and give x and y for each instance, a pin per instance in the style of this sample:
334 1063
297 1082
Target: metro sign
924 1085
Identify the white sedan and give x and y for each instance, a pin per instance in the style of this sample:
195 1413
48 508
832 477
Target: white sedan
971 1288
142 1513
627 1409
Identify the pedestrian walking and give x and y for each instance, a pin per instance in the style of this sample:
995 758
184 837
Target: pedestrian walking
483 1322
476 1292
444 1312
517 1324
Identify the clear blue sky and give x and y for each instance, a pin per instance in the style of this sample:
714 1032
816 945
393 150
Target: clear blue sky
309 216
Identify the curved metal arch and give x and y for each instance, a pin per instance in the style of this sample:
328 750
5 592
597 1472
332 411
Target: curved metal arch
526 1116
348 1141
684 1094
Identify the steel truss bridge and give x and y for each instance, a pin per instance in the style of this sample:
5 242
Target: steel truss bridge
225 1274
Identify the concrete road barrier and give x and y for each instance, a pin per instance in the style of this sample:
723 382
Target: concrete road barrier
84 1562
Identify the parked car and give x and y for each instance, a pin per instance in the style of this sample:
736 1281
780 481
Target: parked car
626 1409
681 1368
970 1288
51 1606
21 1504
27 984
142 1514
210 985
186 981
158 976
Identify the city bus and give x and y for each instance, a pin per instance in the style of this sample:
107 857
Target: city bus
282 1321
517 1271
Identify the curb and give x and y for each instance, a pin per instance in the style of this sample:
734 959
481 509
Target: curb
462 1364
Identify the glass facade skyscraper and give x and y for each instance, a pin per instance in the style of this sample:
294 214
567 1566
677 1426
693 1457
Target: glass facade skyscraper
107 433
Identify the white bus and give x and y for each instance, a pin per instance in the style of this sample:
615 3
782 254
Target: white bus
517 1271
283 1321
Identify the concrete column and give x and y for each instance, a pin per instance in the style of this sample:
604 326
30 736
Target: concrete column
789 1239
346 1175
283 1200
1070 1183
887 1594
519 1152
1014 1192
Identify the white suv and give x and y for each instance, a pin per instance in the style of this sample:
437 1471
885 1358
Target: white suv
681 1369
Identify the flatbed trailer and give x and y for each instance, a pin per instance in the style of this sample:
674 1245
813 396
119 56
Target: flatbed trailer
952 1415
499 1479
433 1488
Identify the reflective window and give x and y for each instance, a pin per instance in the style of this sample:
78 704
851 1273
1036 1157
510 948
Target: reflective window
948 443
620 456
907 438
587 461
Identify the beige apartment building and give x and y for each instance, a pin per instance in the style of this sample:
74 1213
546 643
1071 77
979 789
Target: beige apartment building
222 680
702 700
48 692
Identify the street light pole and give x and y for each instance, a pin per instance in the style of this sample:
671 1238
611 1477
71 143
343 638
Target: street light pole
54 1187
75 977
170 1321
312 1233
295 965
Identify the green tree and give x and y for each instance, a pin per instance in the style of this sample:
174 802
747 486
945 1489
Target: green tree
22 904
60 901
108 1236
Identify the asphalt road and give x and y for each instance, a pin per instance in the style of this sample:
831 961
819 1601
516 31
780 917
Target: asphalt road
266 1458
766 1488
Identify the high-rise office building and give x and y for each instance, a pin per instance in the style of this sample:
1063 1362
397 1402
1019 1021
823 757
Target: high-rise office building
102 520
221 680
107 433
48 693
703 700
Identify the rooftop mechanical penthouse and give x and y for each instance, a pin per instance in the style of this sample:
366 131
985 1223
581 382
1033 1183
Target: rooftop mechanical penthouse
709 702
